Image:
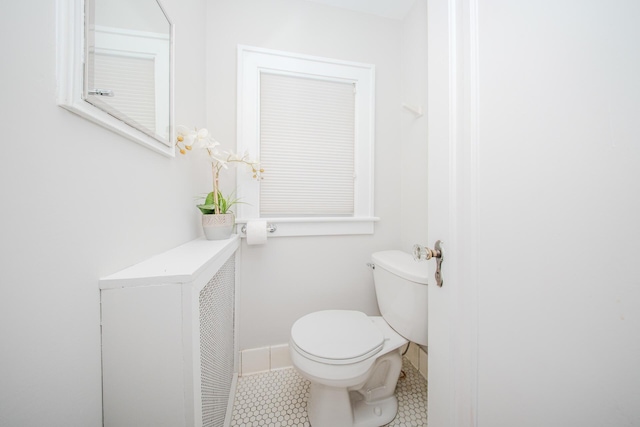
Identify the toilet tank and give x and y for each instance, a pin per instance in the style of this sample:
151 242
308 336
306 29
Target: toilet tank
401 290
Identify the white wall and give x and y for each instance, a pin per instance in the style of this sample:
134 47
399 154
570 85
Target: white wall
413 187
559 186
289 277
77 202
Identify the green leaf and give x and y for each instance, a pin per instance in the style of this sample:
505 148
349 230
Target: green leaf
224 204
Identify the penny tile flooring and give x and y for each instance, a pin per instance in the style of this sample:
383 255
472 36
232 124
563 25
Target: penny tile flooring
279 399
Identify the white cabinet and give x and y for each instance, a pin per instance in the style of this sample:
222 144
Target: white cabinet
169 347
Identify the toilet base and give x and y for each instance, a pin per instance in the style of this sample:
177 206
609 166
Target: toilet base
371 403
337 407
373 414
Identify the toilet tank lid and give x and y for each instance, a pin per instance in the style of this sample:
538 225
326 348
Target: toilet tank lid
402 264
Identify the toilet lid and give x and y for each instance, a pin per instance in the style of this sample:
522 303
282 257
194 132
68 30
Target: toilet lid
337 336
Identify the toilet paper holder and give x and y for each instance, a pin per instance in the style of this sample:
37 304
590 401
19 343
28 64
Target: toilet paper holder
271 228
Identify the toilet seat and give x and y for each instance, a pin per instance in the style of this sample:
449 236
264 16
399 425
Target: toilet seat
336 337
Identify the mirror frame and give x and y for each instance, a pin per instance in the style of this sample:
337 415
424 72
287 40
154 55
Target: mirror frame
70 40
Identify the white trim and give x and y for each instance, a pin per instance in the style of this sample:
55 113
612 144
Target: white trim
321 226
470 310
70 77
252 61
265 359
132 33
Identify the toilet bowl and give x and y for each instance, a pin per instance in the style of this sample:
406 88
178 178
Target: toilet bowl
352 360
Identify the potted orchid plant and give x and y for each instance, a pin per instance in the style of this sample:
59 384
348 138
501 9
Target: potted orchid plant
217 218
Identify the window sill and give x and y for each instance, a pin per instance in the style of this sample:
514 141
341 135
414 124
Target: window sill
331 226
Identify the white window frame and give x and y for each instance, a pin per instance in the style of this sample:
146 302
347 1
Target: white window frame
251 62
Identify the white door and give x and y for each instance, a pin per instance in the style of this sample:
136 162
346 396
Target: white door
534 186
452 165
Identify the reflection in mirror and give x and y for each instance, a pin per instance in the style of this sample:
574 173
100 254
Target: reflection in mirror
128 63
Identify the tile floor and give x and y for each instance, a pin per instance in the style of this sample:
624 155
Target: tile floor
279 399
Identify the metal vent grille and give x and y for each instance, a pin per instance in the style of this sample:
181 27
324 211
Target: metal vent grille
217 344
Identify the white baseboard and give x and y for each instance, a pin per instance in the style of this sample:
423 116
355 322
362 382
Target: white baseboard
418 358
264 359
280 357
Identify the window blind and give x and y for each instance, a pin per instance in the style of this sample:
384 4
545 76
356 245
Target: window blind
133 82
307 146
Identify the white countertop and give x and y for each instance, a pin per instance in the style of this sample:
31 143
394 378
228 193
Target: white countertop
179 265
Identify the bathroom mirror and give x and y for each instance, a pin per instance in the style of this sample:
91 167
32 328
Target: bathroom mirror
115 67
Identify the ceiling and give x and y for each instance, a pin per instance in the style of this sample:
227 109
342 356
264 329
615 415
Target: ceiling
394 9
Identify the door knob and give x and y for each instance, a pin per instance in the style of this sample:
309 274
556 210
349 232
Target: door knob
423 252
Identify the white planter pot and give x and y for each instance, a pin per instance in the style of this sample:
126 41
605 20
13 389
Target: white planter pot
218 227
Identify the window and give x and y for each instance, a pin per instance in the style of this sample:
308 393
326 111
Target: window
310 120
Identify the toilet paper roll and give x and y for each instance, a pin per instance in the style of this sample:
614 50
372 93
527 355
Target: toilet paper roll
256 232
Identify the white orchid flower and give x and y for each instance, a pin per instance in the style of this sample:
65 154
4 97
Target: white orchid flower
203 139
202 134
184 138
210 144
216 156
182 130
231 156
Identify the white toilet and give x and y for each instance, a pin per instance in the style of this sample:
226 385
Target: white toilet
352 360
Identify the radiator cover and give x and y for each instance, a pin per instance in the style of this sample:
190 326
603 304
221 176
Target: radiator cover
217 344
169 347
